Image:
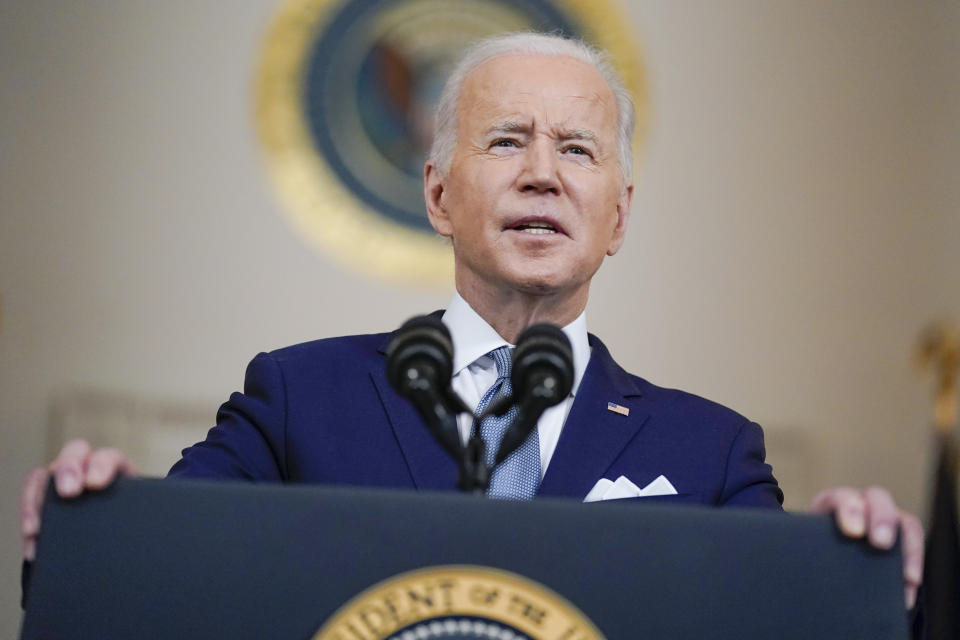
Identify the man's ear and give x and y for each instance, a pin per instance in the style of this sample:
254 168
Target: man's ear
433 195
623 217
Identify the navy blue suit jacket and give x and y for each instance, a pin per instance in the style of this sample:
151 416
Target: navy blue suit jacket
323 412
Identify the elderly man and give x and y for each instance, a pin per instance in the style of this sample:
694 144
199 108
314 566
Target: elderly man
530 179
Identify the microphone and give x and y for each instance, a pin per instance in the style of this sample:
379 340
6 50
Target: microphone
542 377
419 368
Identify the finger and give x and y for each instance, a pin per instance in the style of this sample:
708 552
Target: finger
912 544
31 501
69 469
882 517
104 465
30 505
847 505
29 549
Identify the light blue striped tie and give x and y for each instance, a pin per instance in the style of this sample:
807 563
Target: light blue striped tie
518 477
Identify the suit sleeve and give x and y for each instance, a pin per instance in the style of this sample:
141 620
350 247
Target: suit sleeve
749 480
249 440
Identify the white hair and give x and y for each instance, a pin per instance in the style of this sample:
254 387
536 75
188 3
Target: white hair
445 127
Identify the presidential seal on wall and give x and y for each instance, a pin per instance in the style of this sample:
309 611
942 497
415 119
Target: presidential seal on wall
458 602
344 105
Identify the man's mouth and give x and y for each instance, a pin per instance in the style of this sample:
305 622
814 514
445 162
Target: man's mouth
536 227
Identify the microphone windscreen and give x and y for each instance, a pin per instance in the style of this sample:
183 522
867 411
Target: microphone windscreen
423 344
543 355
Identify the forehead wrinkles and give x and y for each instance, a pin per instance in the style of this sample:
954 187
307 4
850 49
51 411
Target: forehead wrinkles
562 116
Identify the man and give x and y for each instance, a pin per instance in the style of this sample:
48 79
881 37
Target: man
530 179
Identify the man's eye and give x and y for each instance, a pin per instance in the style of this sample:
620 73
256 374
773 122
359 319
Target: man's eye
504 142
577 150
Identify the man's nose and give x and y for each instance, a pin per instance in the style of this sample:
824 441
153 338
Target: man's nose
541 169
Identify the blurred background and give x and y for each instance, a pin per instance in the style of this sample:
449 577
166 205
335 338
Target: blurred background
796 224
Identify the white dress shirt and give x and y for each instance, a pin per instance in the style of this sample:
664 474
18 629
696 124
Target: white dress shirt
474 372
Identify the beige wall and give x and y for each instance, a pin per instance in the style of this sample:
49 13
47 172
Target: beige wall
795 225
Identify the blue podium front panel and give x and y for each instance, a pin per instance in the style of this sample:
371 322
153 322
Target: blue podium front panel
178 559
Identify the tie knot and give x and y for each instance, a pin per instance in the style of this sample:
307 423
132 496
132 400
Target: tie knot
502 356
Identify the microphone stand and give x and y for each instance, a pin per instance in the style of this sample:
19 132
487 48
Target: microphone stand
474 471
419 359
439 411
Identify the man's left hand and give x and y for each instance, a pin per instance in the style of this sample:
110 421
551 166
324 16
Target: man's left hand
872 513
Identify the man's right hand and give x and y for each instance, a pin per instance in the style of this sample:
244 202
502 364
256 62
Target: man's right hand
78 467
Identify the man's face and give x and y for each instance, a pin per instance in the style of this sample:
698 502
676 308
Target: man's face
534 197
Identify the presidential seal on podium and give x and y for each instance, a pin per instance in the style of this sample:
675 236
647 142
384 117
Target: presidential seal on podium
458 602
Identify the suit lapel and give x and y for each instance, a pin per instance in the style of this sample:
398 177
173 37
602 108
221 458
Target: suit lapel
594 436
431 468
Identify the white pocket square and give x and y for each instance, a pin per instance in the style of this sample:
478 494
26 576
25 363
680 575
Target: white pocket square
623 488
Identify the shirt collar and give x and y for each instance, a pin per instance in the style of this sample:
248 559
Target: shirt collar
473 337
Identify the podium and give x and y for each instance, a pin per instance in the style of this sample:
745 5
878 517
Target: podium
151 558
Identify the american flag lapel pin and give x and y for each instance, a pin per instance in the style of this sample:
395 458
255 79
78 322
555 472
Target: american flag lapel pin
616 408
